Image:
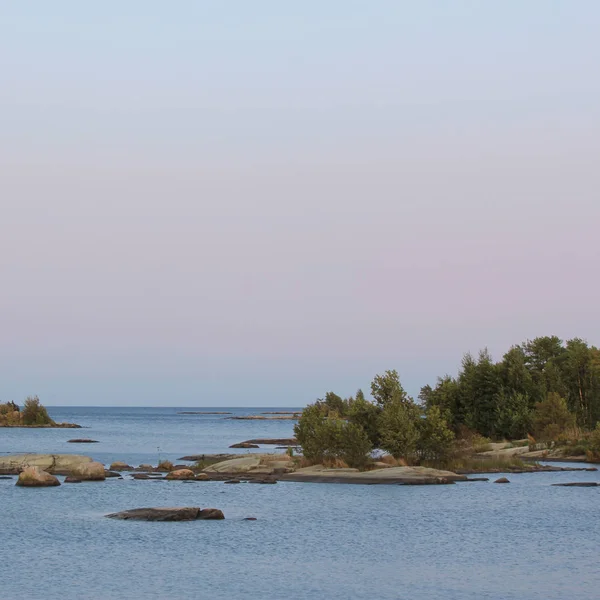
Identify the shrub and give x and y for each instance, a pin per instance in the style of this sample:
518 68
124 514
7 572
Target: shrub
551 418
325 439
34 413
165 465
593 452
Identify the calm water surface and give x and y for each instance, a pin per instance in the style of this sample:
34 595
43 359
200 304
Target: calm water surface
525 540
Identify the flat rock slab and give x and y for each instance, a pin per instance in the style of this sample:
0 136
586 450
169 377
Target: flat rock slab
58 464
82 441
578 484
186 513
273 441
394 475
211 458
203 412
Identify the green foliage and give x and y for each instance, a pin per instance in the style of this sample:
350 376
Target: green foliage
398 428
326 439
551 418
387 389
354 445
593 451
435 437
513 416
34 413
366 415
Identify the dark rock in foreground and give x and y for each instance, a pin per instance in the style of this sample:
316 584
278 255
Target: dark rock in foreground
82 441
186 513
577 484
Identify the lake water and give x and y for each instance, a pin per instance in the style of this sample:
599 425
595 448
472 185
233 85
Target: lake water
526 540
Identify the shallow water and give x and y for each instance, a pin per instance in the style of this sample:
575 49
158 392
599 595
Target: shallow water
525 540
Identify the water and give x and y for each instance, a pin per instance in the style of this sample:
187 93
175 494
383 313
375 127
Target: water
525 540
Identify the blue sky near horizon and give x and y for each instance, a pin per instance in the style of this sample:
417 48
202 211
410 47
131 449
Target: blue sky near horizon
251 203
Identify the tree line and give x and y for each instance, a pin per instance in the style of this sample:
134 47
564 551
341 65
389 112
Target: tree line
543 387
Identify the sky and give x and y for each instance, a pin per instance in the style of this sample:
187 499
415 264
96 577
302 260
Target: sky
252 203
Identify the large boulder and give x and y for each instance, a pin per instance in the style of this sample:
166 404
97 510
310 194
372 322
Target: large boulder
35 477
93 471
57 464
181 474
186 513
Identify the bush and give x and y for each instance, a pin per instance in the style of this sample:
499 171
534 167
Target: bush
593 452
551 418
34 413
325 440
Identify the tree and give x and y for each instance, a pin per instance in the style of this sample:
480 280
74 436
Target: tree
398 428
551 417
366 415
34 413
313 434
435 437
513 415
387 388
354 445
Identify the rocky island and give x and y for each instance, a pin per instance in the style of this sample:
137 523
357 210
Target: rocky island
33 414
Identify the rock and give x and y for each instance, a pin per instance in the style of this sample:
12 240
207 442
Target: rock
393 475
502 480
187 513
203 412
477 479
202 477
35 477
262 481
577 484
108 474
181 474
93 471
273 441
208 458
250 519
5 477
232 481
70 479
145 468
244 445
211 513
57 464
82 441
120 466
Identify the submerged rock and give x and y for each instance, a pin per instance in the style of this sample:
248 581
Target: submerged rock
186 513
578 484
35 477
82 441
